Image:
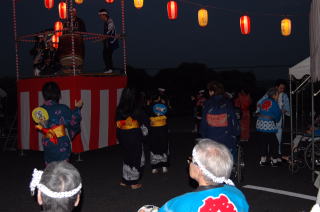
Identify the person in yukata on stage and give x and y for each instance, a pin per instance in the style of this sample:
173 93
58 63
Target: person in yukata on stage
158 134
132 125
269 115
284 105
58 187
58 123
243 102
219 121
210 166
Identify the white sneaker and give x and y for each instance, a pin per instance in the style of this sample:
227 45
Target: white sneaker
164 169
154 171
108 71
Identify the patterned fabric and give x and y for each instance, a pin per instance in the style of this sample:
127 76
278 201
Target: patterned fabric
265 125
130 173
158 158
223 199
269 114
60 114
283 103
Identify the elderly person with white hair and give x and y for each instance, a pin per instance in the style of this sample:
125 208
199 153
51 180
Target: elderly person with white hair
211 167
59 187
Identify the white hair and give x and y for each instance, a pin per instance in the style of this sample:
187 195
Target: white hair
214 158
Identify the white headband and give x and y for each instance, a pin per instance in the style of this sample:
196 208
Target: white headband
207 173
102 13
35 182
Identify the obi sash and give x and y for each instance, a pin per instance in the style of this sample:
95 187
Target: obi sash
127 124
158 121
52 133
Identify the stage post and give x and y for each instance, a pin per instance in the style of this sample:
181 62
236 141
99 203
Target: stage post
70 7
14 11
124 37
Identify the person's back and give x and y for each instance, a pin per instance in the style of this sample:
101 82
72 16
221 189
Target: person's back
219 121
223 198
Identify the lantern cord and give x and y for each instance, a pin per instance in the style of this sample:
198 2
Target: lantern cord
87 36
238 11
123 39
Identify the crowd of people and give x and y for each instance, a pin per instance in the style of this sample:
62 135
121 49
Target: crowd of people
142 122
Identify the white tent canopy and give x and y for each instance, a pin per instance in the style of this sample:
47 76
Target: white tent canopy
300 69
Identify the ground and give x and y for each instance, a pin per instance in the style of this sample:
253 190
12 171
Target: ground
101 173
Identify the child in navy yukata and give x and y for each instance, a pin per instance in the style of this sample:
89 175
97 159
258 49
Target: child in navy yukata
61 126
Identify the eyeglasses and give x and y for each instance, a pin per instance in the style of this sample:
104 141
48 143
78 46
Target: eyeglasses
191 160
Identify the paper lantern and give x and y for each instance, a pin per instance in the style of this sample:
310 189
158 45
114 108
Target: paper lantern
286 27
245 24
138 4
58 27
48 3
62 10
109 1
172 8
203 17
78 1
55 41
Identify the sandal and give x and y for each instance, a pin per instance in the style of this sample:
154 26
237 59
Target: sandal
133 187
123 184
136 186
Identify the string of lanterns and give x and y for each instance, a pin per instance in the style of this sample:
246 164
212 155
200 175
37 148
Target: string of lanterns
172 11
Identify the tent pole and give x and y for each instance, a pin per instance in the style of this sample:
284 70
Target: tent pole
297 102
312 131
291 122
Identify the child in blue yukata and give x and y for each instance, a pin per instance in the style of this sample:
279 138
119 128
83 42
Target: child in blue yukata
61 126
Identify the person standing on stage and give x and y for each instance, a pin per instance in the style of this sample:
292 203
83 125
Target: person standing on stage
158 135
132 123
110 43
58 123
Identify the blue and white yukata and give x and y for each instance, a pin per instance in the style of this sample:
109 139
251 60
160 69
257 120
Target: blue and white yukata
60 114
269 115
224 198
284 105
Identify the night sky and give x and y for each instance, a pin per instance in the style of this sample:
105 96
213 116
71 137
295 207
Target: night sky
155 42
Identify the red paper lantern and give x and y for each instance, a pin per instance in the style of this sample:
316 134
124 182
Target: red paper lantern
55 41
58 27
48 3
62 10
109 1
172 8
245 24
